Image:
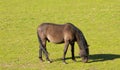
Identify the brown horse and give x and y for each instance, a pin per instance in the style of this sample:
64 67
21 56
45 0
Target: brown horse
65 33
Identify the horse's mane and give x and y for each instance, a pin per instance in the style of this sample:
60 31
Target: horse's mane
82 37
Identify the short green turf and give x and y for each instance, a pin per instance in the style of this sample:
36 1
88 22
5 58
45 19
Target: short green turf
99 20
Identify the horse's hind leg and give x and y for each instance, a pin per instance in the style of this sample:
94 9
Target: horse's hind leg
40 53
45 50
47 57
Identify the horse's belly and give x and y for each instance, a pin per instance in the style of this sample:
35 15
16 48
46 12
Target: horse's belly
55 39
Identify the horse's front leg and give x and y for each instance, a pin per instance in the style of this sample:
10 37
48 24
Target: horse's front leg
72 51
65 51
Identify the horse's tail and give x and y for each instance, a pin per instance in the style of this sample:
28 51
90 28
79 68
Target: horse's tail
41 46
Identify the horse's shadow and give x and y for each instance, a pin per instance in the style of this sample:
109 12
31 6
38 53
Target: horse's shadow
103 57
97 57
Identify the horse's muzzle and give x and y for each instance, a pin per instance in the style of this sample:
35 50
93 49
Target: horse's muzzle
84 59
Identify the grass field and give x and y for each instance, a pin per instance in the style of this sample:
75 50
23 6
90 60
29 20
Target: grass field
99 20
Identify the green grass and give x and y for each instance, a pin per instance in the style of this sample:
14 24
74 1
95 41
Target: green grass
99 20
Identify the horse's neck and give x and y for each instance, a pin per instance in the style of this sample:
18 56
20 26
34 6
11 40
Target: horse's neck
80 40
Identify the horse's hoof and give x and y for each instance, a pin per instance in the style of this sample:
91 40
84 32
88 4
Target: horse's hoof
49 61
74 60
65 63
41 60
85 60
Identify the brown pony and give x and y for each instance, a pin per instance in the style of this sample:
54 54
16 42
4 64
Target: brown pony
64 33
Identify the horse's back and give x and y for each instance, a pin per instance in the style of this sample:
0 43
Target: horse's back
57 32
55 27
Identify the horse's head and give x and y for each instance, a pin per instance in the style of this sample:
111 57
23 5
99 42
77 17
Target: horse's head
83 45
84 53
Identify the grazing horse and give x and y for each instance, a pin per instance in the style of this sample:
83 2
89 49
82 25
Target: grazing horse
64 33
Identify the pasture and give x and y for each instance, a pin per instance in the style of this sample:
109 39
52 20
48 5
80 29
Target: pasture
99 20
